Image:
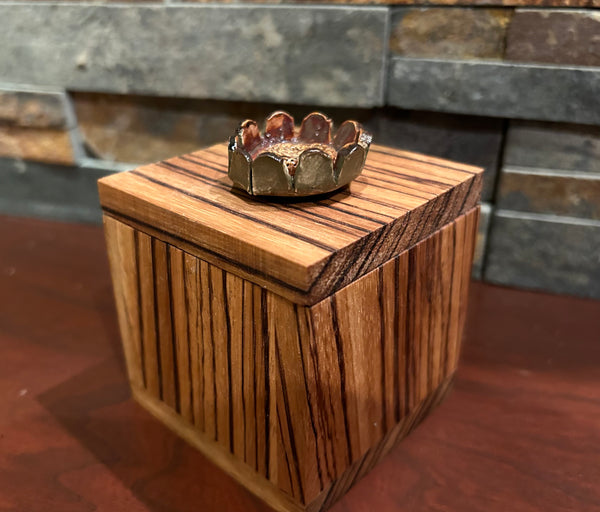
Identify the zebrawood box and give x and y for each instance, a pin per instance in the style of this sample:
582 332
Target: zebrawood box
292 343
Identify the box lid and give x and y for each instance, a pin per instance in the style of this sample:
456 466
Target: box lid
305 250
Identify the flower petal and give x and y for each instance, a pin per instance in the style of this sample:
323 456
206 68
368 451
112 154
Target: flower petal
347 133
316 127
240 167
349 163
249 135
314 173
270 176
280 126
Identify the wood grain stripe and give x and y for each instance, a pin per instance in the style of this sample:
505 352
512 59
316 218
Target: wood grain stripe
148 307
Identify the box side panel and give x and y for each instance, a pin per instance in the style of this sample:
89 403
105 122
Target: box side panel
369 460
376 351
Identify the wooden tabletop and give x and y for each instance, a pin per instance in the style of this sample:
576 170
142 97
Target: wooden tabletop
519 432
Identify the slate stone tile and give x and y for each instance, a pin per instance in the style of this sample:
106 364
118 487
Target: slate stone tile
553 146
37 124
467 139
545 93
51 191
542 191
555 37
34 108
300 54
544 252
41 144
480 244
461 32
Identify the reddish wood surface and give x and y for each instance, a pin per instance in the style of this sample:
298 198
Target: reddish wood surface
520 431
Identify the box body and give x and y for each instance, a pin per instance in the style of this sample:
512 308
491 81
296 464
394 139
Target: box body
296 388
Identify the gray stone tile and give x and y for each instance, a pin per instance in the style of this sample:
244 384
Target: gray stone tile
551 253
555 36
480 245
467 139
451 32
321 55
553 146
550 192
51 191
496 89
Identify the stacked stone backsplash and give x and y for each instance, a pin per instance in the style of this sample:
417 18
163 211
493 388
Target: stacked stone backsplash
513 86
546 224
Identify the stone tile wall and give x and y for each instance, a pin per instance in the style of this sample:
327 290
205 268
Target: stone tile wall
546 227
544 252
517 63
90 88
300 54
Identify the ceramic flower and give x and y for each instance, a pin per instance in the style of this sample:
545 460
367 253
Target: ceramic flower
290 161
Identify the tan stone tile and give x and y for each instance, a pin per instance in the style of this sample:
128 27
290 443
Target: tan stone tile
39 144
463 33
33 108
571 194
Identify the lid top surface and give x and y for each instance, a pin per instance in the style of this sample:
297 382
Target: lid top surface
399 199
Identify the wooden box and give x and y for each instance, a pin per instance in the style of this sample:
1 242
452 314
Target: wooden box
292 343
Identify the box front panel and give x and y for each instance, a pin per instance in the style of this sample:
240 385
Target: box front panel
195 338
